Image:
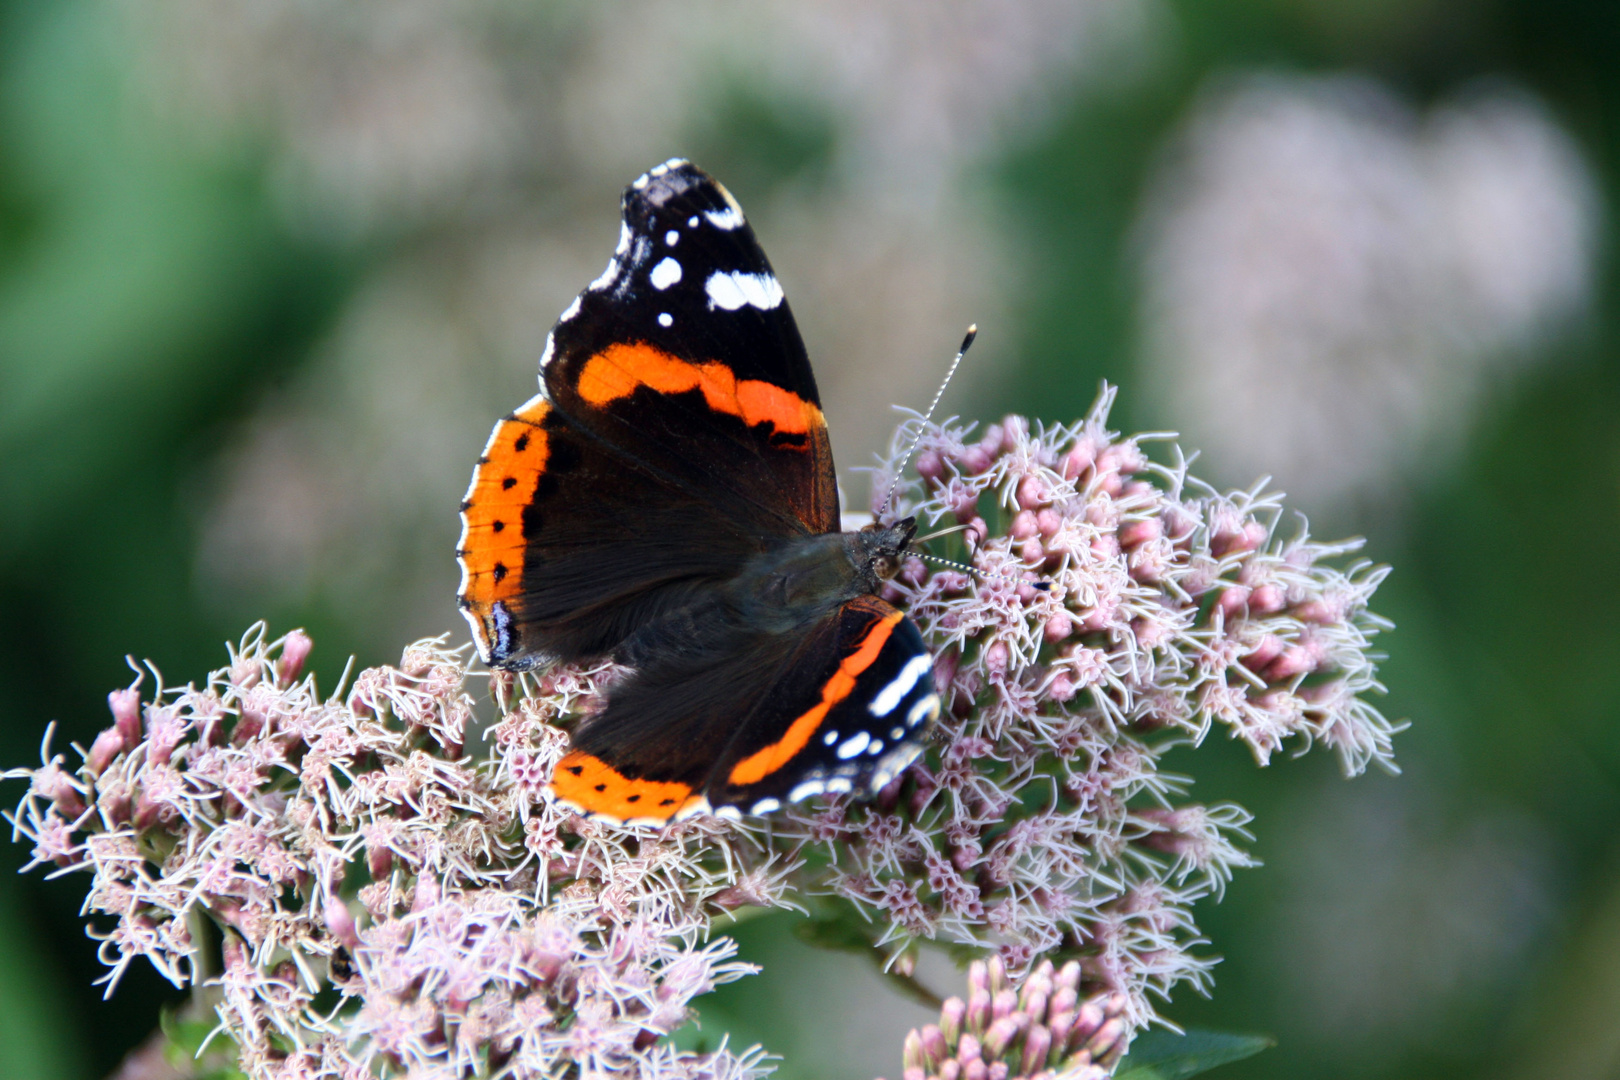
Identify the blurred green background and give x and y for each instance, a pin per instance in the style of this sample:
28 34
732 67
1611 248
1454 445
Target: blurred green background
269 271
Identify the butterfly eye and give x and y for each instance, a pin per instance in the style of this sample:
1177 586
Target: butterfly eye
885 566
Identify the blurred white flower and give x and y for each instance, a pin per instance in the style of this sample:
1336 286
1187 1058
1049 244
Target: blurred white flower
1330 280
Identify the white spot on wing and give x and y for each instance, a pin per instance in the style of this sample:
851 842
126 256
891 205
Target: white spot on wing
765 806
829 738
726 219
807 789
700 805
853 745
624 238
876 748
672 238
731 290
839 784
891 766
570 311
545 357
730 813
925 709
691 222
896 691
665 274
665 319
897 733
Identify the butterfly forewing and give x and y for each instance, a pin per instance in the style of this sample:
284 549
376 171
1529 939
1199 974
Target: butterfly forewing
684 354
568 547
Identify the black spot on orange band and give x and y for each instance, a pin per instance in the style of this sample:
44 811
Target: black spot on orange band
503 486
598 788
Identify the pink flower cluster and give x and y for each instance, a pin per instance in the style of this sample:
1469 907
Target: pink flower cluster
397 895
1118 607
1039 1031
351 844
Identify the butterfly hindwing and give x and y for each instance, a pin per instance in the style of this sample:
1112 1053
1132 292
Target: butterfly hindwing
746 722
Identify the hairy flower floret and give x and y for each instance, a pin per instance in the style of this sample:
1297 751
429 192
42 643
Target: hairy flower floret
376 883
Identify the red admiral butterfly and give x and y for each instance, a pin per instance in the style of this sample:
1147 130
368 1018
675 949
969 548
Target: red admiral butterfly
668 500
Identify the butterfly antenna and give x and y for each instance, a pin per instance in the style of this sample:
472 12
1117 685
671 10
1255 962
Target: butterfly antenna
1040 584
952 564
967 343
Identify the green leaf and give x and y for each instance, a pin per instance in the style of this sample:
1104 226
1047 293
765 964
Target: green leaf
1164 1055
843 931
185 1029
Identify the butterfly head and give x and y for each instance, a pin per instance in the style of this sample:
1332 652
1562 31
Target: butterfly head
877 549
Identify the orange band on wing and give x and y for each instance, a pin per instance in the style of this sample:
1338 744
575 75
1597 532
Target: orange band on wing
503 486
619 370
598 788
757 766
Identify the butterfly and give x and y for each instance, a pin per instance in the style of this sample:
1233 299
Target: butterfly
668 500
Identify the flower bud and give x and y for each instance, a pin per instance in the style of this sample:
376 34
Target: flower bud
1037 1048
950 1018
1108 1042
1295 660
126 710
997 657
1233 599
975 459
294 651
1086 1022
1080 457
975 533
978 1011
1139 532
340 921
911 1053
108 745
1033 493
1267 600
1003 1032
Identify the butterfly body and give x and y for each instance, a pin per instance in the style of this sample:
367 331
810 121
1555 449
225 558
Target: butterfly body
669 501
